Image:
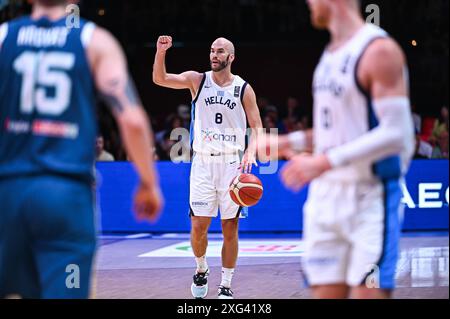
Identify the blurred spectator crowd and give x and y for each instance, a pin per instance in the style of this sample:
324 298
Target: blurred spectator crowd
286 119
264 22
432 133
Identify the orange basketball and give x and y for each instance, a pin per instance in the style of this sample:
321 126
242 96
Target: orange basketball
246 190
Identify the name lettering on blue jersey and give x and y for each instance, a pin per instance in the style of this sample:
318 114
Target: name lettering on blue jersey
220 100
42 37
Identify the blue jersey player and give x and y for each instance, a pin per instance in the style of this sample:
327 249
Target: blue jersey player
49 74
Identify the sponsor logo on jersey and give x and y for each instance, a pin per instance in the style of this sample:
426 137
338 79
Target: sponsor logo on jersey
220 100
210 136
55 129
237 91
43 128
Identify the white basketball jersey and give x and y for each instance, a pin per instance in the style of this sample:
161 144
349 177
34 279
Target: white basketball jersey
342 110
219 120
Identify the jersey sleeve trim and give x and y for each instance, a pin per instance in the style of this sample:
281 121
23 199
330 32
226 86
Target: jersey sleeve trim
243 92
3 32
358 83
200 88
86 34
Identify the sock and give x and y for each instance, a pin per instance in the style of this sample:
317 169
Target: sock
202 265
227 275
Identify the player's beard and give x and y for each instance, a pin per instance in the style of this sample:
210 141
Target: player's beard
222 65
320 16
320 22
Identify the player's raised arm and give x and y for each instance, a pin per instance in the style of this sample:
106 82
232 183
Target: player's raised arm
384 73
116 88
188 80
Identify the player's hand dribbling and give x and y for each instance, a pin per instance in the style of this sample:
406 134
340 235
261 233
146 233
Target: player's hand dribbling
247 163
148 203
164 43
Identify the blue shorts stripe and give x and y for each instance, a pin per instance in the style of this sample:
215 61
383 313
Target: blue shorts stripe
388 262
389 258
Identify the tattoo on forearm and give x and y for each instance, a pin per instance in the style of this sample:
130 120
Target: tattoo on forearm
117 97
131 93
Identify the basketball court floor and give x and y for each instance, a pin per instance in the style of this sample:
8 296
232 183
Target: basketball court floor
143 266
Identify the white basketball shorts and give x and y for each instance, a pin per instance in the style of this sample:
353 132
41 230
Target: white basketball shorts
210 181
352 233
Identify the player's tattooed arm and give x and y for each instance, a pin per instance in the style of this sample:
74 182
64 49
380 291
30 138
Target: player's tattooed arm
116 88
118 94
109 67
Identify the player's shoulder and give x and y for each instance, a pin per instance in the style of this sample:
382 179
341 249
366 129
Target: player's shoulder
9 27
239 79
384 50
101 33
13 24
242 84
383 61
382 58
18 21
196 75
196 78
99 39
247 91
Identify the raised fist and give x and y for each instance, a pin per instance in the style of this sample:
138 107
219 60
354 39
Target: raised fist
164 43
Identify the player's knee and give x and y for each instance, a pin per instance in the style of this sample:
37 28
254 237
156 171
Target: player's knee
230 231
199 230
231 236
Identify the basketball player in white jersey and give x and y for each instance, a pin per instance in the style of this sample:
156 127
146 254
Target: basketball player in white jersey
222 105
363 142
